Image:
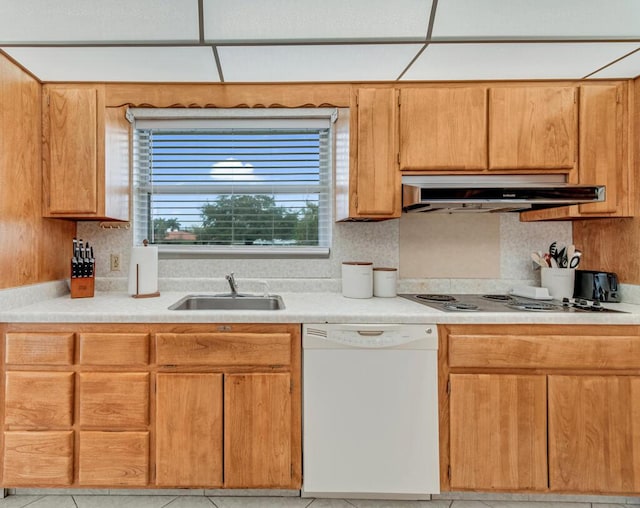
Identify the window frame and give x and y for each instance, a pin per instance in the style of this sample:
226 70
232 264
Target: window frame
172 118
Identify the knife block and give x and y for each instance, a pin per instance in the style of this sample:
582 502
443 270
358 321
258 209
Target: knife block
83 287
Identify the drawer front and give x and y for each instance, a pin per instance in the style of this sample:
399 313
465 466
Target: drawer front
39 348
114 458
39 399
114 400
114 348
223 349
38 458
552 351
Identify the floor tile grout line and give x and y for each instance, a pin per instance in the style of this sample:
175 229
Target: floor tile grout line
211 501
164 505
74 501
35 500
310 503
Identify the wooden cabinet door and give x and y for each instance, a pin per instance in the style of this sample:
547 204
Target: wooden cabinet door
374 171
71 155
38 459
113 458
498 432
594 433
533 127
38 400
189 430
257 431
443 128
602 142
116 400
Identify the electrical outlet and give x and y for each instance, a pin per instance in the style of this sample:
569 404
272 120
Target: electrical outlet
115 262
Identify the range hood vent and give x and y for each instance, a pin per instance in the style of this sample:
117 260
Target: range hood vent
493 193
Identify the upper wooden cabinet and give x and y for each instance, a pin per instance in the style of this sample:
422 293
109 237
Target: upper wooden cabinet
443 128
371 189
85 155
533 127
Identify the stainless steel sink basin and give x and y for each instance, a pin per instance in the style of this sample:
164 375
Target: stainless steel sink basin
218 302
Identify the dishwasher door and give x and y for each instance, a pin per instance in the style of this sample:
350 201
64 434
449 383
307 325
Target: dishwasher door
370 409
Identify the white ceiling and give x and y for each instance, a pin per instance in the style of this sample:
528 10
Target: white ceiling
327 40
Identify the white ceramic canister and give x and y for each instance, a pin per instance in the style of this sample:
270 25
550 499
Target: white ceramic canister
384 282
559 281
357 279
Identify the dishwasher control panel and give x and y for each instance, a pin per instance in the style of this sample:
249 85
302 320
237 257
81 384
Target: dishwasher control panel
332 336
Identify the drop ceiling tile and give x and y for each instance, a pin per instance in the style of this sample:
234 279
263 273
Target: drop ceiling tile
170 64
628 67
37 21
284 20
356 62
514 61
538 18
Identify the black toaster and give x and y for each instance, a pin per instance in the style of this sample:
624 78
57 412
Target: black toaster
597 286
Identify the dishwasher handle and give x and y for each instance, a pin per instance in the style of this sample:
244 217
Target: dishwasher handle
369 336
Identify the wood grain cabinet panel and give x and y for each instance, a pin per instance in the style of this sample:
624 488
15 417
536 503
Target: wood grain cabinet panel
114 348
114 400
39 348
85 154
38 458
375 171
257 430
594 433
114 458
189 430
533 127
229 349
602 143
498 432
443 128
550 351
38 399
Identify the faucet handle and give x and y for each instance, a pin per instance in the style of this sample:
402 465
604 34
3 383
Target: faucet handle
265 288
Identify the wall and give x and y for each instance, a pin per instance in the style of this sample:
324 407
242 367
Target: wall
31 248
433 252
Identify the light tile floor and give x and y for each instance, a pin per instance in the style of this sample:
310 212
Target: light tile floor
194 501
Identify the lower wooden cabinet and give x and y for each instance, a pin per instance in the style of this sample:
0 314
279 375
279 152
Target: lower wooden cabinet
38 458
257 430
498 432
594 433
113 458
535 408
189 430
141 405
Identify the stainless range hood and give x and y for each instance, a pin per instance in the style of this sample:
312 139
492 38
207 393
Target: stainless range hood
493 193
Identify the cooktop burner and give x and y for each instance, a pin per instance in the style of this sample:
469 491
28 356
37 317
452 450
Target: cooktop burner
498 298
436 298
459 306
502 303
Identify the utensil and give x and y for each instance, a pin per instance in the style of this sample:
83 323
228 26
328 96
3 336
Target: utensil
575 259
553 249
561 258
537 260
553 262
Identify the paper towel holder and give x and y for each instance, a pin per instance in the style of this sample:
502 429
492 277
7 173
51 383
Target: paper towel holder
137 293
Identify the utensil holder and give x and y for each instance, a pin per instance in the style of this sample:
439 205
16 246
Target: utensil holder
82 287
559 281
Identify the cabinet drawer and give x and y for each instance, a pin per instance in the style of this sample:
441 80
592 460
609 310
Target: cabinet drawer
114 458
38 399
551 351
114 400
39 348
223 349
114 348
38 458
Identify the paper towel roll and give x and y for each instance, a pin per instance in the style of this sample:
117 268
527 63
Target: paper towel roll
143 269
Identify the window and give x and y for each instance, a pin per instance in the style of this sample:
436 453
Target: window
255 182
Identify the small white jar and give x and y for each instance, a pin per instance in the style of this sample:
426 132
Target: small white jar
384 282
357 279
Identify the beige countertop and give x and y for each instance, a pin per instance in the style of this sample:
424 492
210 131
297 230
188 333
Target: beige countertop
300 307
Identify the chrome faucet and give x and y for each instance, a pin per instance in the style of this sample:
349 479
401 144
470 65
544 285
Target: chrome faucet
232 284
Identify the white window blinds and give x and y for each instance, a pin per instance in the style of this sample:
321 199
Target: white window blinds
237 180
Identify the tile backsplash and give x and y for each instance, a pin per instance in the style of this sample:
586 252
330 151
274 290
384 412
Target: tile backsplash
446 252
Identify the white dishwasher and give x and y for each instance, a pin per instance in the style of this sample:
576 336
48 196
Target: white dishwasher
370 411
